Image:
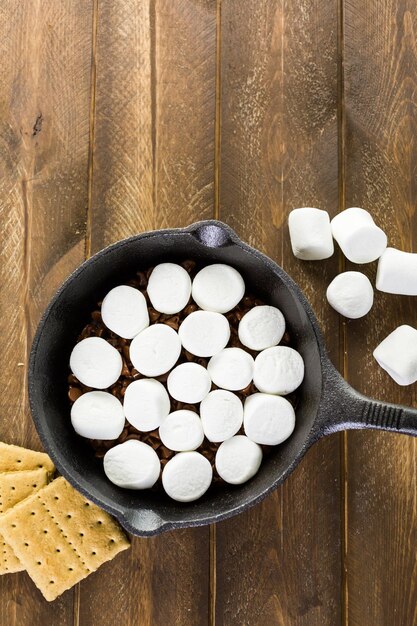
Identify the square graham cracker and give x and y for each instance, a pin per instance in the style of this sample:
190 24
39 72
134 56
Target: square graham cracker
15 459
14 487
60 537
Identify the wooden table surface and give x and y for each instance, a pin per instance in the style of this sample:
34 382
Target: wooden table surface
119 116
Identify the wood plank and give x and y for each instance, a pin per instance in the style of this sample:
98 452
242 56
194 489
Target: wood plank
152 168
280 562
381 174
45 49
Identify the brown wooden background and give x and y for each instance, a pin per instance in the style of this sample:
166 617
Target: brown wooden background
119 116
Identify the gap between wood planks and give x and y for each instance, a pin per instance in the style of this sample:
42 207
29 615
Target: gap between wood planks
341 135
216 215
89 218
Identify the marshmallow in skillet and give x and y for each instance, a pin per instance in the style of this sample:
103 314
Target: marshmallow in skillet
397 272
181 430
98 415
125 312
268 419
359 238
169 288
310 234
238 459
218 288
221 414
146 403
278 370
189 382
204 333
231 369
132 465
397 354
261 327
351 294
187 476
155 350
96 363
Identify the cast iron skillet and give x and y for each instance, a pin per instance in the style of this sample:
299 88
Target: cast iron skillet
327 403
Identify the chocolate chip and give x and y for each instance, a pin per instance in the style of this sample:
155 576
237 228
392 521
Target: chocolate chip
154 315
74 393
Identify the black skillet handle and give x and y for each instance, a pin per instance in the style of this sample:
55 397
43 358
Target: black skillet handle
344 408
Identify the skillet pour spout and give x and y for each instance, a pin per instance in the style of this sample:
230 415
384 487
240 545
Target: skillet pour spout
326 402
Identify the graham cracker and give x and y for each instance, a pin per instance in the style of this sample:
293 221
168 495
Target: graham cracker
60 537
15 459
14 487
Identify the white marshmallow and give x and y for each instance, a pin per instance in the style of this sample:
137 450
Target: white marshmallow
155 350
146 403
189 382
351 294
261 327
218 288
204 333
359 238
397 272
125 312
232 369
181 431
221 414
96 363
169 288
187 476
132 465
268 419
98 415
238 459
278 370
397 354
310 234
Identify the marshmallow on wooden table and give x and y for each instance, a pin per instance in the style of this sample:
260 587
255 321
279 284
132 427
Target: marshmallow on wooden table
351 294
181 431
146 403
132 465
397 272
268 419
96 363
310 234
278 370
155 350
187 476
218 288
204 333
397 355
189 382
261 327
169 288
238 459
221 415
359 238
124 311
98 415
231 369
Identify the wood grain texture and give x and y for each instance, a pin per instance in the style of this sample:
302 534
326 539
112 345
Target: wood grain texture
381 175
280 562
153 164
45 50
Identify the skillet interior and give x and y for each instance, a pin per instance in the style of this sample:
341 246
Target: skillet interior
146 512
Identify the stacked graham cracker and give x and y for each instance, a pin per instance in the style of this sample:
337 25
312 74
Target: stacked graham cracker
47 528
